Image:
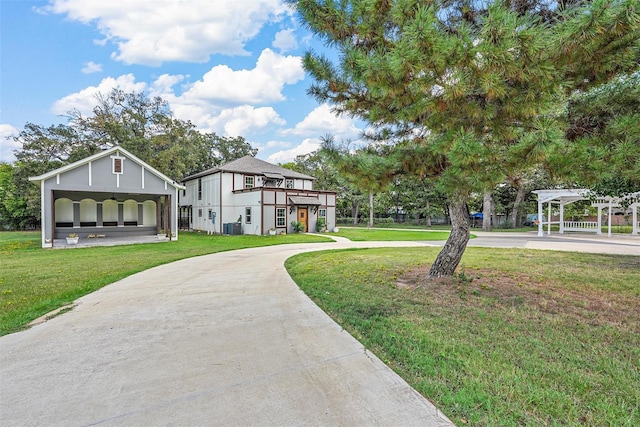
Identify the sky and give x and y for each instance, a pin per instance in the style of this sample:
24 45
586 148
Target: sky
232 67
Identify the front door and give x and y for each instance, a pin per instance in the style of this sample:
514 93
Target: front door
303 213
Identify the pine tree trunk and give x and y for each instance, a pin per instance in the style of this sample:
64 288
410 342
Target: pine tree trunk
370 209
428 214
486 211
451 254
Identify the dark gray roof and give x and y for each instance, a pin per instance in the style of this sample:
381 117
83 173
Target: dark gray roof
305 200
251 165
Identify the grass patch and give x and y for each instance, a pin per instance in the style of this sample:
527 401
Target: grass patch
518 337
35 281
375 234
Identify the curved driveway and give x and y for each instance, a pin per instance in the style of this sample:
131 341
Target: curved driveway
222 339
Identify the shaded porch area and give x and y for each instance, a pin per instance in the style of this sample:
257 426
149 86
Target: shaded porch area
101 216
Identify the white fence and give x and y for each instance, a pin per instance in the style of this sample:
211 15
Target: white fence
587 226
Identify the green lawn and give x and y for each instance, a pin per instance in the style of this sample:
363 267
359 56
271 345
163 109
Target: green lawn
34 281
376 234
518 337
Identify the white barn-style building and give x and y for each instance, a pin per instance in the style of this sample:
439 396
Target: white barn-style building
251 196
111 194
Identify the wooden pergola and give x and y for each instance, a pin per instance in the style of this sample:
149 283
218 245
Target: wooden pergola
563 197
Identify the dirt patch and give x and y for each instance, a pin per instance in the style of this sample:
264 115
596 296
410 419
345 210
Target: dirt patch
491 287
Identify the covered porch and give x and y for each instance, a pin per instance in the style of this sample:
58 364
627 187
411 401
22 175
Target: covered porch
100 215
564 197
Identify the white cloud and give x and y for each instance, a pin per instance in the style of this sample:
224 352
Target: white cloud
305 147
285 40
323 121
7 144
163 85
244 120
262 84
85 100
91 67
151 32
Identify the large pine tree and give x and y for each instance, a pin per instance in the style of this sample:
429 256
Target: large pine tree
467 90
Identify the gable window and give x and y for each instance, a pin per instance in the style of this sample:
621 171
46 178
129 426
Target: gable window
248 182
281 217
247 215
199 188
117 165
289 183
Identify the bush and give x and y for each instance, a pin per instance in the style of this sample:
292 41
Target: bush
297 226
321 224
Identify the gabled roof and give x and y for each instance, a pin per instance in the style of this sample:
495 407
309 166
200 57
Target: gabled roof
117 149
251 165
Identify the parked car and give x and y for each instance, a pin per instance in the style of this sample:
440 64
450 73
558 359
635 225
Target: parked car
532 219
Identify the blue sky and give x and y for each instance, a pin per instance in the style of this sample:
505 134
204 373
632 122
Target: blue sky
232 67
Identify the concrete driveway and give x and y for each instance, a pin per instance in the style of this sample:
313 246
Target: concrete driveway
223 339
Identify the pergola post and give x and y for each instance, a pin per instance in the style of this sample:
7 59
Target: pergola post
549 220
540 232
609 221
634 209
599 220
561 217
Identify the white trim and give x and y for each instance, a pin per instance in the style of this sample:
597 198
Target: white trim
89 174
58 179
142 177
100 155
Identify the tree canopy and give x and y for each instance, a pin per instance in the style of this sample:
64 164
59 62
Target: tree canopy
142 125
467 91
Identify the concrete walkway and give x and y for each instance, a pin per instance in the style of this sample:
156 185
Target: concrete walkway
223 339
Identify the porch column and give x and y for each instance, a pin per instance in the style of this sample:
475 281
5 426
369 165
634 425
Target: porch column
609 221
540 232
76 214
599 220
561 217
120 214
99 220
634 217
167 215
140 213
159 215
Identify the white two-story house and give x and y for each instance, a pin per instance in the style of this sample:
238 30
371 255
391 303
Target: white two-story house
251 196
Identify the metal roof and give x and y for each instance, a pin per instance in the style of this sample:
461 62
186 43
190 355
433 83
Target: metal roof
253 166
305 200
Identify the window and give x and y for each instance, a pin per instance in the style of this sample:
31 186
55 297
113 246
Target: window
281 217
199 213
289 183
247 215
117 165
248 182
200 189
322 213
